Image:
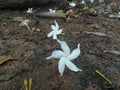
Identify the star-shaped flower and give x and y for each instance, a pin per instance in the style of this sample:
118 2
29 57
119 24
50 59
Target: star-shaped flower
92 1
119 13
30 10
25 23
51 10
66 57
83 2
55 31
72 4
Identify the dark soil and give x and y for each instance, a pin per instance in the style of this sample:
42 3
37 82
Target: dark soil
30 49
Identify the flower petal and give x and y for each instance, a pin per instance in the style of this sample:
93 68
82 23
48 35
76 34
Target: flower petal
73 4
61 66
72 66
83 2
59 31
50 10
53 27
56 25
64 46
91 1
54 36
56 54
75 53
50 34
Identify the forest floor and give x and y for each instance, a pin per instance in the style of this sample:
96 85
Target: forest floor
23 52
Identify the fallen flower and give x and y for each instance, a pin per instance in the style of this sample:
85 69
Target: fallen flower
66 57
30 10
83 2
92 1
51 10
119 13
55 31
72 4
25 23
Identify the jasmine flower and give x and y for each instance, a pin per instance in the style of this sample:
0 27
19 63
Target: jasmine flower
30 10
25 23
92 1
55 31
72 4
65 57
83 1
51 10
119 13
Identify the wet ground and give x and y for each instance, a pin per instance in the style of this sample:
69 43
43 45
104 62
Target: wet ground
23 52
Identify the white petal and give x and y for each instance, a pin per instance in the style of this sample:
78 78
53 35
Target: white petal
72 4
56 54
83 2
72 66
61 66
64 46
50 34
53 28
119 13
56 25
50 10
92 1
59 31
75 53
54 36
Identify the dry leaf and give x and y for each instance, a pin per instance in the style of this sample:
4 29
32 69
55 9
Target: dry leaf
19 19
5 58
96 33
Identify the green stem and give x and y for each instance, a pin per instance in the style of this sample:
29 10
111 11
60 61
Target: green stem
30 83
99 73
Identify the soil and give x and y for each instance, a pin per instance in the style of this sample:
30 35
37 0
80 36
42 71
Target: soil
29 49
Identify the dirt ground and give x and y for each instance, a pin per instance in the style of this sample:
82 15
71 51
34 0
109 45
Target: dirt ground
24 52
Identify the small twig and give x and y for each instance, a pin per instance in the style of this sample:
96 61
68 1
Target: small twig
99 73
114 16
96 33
112 51
49 14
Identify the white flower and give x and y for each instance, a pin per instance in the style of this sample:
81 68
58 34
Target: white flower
66 57
92 1
118 13
51 10
83 2
55 31
73 4
25 23
30 10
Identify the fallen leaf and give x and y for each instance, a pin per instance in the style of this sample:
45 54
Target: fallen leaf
18 19
5 58
6 77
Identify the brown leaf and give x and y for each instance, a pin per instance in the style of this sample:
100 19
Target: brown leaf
5 58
